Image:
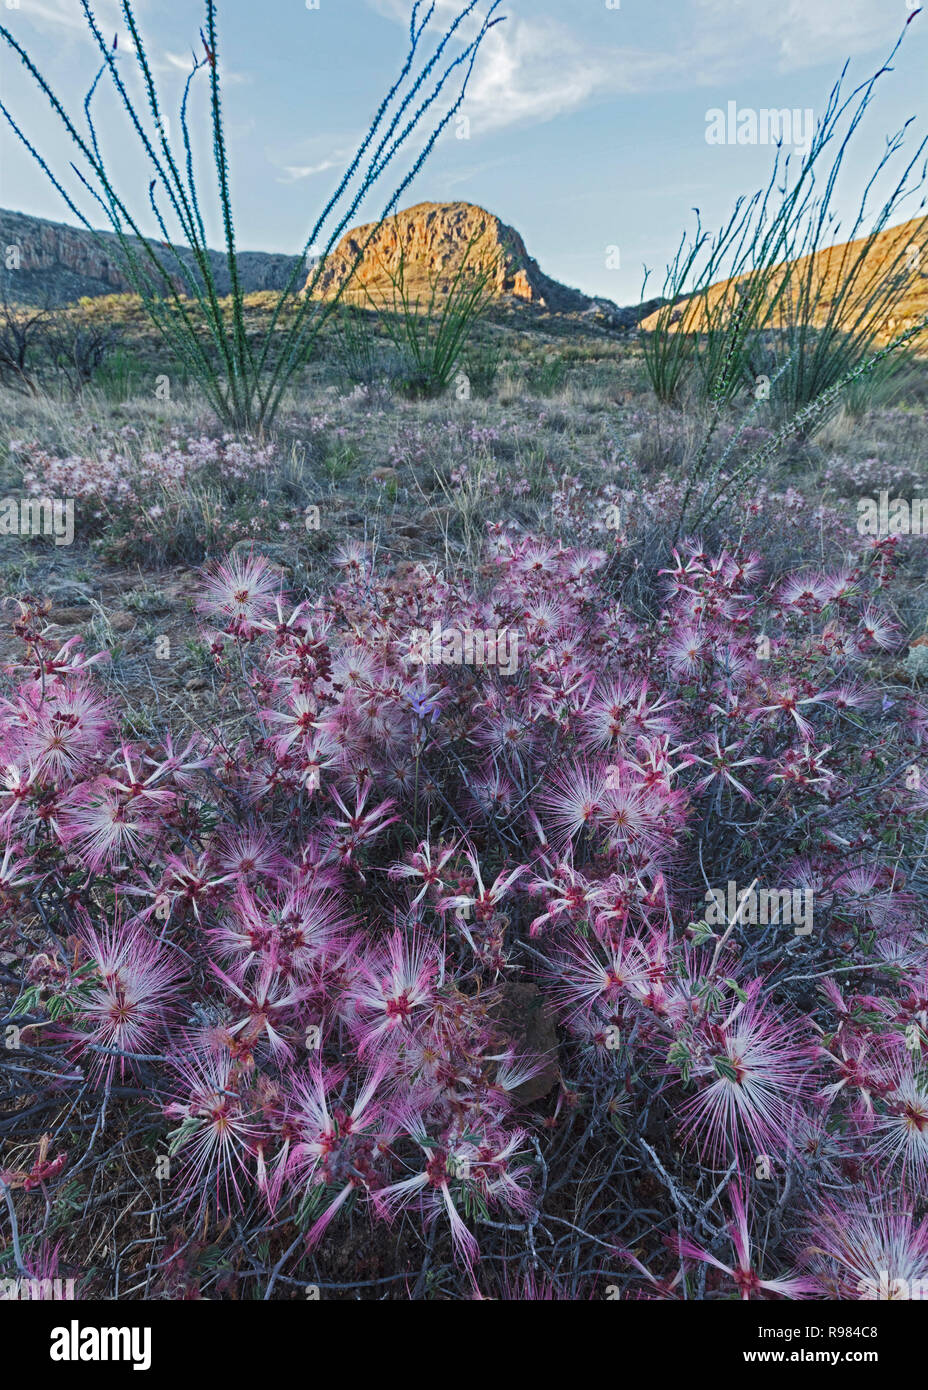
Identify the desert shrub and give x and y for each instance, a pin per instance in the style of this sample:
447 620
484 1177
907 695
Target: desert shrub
358 350
195 497
22 336
482 362
547 378
286 948
120 375
78 350
430 326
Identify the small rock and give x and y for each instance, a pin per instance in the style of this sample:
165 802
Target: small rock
69 591
916 663
69 617
530 1023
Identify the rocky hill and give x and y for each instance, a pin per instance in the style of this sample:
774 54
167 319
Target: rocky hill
431 241
59 264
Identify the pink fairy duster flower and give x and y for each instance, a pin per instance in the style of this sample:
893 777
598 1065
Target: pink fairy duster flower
620 709
17 784
514 1071
746 1278
132 783
868 1247
505 734
653 760
394 991
193 880
216 1133
876 629
867 892
901 1134
787 700
269 998
298 720
360 826
241 589
483 901
14 868
848 696
353 665
181 764
430 1187
491 793
100 825
565 891
723 764
537 558
686 650
425 864
250 853
133 994
802 767
572 802
332 1145
69 660
489 1164
466 1169
636 818
296 927
750 1072
596 972
64 731
286 631
353 557
663 1288
857 1070
807 592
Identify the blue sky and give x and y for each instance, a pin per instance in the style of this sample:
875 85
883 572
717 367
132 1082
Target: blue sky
587 119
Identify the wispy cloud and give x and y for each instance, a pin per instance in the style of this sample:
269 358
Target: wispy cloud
292 173
58 15
536 67
447 180
534 70
798 33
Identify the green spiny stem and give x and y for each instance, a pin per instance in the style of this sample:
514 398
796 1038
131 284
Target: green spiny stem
810 412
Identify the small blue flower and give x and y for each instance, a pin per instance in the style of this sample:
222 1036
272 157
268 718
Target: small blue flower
426 706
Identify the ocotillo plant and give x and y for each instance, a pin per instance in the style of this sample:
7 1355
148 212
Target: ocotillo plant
430 331
243 380
749 301
771 319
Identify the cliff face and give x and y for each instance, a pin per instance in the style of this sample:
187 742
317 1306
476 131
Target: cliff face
59 264
432 240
